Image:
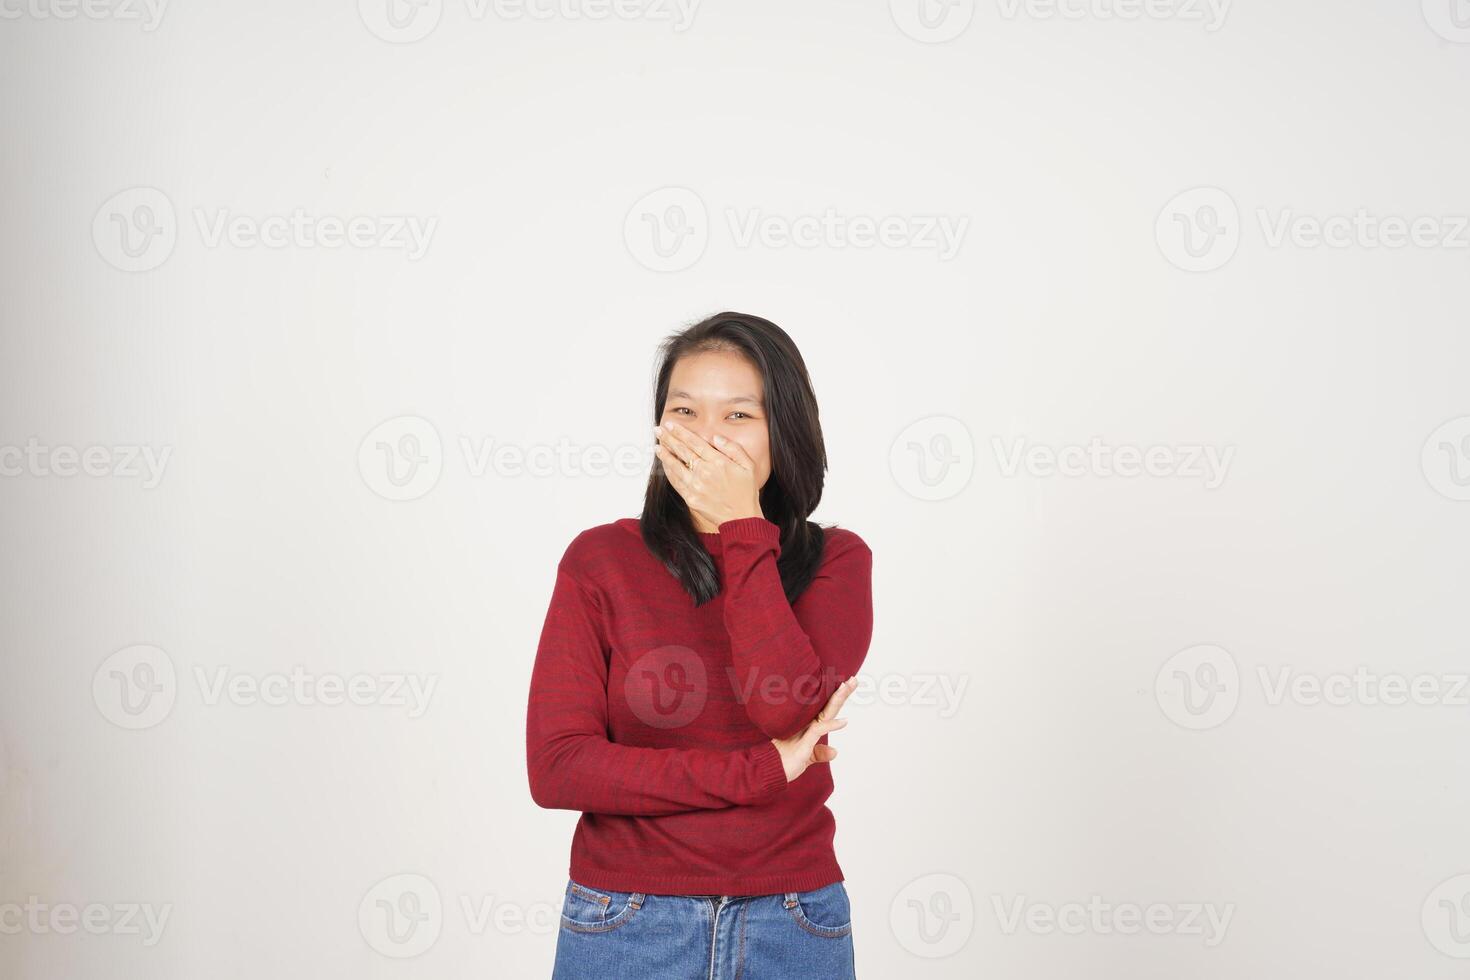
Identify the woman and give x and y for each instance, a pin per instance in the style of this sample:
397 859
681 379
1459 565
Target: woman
691 666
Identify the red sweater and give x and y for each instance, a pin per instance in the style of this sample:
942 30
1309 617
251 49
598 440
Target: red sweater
654 717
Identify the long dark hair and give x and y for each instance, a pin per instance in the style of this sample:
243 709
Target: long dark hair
798 457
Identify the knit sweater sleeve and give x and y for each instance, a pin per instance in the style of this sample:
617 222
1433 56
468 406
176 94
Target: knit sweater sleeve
571 763
789 658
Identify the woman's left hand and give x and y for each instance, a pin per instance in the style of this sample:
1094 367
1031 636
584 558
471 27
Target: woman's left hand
717 480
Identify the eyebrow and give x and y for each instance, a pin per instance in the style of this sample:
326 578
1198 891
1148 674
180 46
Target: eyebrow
751 399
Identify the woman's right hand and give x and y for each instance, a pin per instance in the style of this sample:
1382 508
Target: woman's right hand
802 749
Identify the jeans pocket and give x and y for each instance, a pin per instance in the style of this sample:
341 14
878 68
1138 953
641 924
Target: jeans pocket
586 909
823 911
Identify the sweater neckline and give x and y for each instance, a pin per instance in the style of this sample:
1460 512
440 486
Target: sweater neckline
632 524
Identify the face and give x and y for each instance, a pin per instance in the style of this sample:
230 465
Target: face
721 392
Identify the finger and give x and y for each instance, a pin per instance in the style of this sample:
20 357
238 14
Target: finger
838 698
824 753
734 452
817 729
692 442
674 470
674 446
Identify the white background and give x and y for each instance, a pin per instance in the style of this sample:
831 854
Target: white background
1071 766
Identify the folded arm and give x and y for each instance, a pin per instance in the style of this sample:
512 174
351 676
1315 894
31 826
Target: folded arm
571 763
789 658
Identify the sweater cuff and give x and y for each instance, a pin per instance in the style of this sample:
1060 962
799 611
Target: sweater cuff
756 529
770 771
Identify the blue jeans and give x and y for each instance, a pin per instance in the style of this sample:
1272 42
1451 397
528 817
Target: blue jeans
612 935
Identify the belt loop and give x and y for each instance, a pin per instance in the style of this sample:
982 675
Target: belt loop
636 900
790 901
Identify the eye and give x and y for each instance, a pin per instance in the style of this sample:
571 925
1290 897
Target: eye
739 413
